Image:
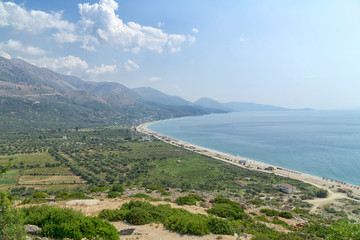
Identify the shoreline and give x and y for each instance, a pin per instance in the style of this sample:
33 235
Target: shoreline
320 182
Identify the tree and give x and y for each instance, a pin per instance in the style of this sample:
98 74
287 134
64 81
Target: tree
322 193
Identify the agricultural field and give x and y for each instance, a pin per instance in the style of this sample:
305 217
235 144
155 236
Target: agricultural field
114 155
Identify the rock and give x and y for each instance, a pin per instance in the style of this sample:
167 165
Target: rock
28 238
38 238
32 229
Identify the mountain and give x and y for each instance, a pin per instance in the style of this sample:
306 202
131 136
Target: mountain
209 104
156 96
39 95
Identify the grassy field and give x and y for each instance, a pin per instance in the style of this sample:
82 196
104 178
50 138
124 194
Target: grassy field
115 155
8 180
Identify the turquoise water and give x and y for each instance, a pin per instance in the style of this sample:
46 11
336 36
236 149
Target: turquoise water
322 143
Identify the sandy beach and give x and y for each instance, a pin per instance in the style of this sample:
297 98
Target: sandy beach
331 185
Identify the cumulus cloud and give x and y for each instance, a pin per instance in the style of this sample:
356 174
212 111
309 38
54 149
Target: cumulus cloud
99 24
154 79
17 17
71 65
130 66
13 45
103 69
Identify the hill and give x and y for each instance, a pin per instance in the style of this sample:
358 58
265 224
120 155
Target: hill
209 103
34 95
156 96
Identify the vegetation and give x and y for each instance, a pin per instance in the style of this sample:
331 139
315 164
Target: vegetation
190 199
11 221
321 193
178 220
66 223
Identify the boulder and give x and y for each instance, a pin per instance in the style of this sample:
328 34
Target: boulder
32 229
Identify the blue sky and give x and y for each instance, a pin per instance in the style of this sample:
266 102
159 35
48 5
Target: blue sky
287 53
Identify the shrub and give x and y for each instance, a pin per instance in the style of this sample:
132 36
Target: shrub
113 215
190 199
98 189
258 202
300 211
11 220
269 212
72 195
66 223
39 195
220 226
194 224
113 195
117 188
322 193
228 211
145 196
137 216
285 215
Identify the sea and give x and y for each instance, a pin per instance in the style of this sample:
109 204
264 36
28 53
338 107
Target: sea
321 143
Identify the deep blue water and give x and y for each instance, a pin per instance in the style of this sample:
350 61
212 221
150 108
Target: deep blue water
322 143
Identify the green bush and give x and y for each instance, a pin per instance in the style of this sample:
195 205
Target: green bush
113 195
194 224
220 226
190 199
174 219
66 223
72 195
322 193
137 216
300 211
228 211
113 215
99 189
11 220
39 195
117 188
145 196
269 212
285 215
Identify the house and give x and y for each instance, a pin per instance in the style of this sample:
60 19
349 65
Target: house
241 183
286 188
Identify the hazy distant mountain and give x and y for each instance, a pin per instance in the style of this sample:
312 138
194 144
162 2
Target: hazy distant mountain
209 103
156 96
239 106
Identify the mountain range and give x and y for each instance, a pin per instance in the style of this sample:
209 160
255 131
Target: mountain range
29 93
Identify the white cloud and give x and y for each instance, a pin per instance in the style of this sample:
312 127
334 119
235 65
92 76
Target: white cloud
64 65
160 24
130 66
13 45
154 79
71 65
99 24
17 17
195 30
103 69
5 55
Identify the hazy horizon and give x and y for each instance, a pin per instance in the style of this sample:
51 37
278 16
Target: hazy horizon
293 54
